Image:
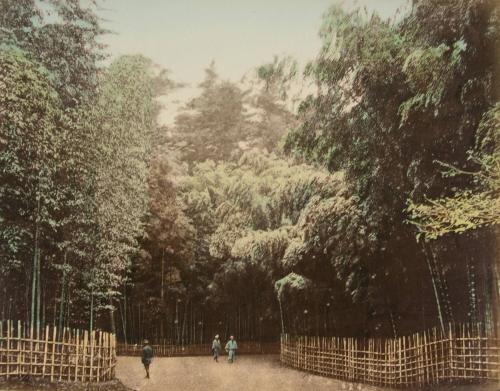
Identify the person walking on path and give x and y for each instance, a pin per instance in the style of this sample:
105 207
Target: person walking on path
147 356
216 348
231 347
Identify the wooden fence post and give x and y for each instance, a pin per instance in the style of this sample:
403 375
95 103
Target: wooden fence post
99 351
84 356
77 353
92 338
420 360
451 354
8 349
2 372
69 351
54 339
25 352
45 351
60 345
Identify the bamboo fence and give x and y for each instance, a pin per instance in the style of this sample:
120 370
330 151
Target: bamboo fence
463 353
71 355
168 349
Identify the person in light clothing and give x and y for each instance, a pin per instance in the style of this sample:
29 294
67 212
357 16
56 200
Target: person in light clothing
231 347
216 348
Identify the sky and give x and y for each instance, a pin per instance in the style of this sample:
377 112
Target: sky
185 36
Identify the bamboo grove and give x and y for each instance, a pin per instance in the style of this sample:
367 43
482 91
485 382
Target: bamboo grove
371 211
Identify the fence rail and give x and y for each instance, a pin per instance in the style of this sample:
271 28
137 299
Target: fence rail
462 353
166 349
71 355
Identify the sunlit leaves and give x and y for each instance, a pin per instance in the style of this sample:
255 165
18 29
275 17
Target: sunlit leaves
292 283
29 152
467 209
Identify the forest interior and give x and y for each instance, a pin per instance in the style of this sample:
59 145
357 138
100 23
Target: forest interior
367 205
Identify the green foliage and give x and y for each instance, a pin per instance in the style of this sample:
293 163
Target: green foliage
62 36
394 97
277 75
269 218
126 118
227 118
213 123
290 284
101 208
30 148
75 145
467 209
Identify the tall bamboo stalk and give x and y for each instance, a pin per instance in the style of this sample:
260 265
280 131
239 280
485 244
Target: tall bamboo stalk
436 293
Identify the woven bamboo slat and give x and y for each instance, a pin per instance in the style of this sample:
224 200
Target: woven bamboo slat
466 352
70 356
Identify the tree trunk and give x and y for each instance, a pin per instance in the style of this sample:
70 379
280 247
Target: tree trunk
281 316
442 287
68 306
35 266
495 297
202 328
44 292
162 312
124 322
177 323
38 295
91 323
63 290
140 329
184 320
471 294
124 312
4 300
112 315
436 293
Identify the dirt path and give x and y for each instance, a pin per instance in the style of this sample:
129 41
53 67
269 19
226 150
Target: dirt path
248 373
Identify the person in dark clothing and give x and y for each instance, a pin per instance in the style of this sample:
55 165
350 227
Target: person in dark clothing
147 356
